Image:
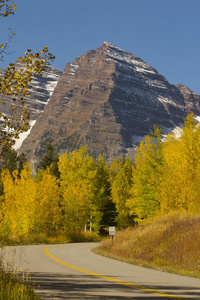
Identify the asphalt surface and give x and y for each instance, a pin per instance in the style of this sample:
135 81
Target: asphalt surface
72 271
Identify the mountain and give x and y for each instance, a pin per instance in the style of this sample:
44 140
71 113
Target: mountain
108 99
41 88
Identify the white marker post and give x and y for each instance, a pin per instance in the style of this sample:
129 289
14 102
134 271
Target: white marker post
112 232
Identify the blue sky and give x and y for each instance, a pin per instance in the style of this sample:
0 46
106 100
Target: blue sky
164 33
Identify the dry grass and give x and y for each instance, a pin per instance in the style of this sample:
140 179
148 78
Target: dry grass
170 243
15 286
41 238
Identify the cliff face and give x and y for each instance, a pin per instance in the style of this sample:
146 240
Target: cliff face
40 88
108 99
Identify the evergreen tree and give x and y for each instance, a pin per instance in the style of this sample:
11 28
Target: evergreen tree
102 208
10 160
50 160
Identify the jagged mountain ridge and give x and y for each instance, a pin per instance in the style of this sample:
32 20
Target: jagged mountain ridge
108 99
41 88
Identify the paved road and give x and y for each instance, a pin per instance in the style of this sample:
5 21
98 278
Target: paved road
72 271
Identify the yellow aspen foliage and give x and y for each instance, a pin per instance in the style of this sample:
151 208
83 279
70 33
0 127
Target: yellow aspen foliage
47 217
144 202
9 206
172 177
114 168
77 170
25 192
7 7
181 174
76 204
121 185
14 84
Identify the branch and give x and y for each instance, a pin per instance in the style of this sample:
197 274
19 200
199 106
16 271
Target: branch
8 8
4 47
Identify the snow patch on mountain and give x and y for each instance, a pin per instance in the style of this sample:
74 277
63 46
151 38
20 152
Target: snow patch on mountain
23 136
128 60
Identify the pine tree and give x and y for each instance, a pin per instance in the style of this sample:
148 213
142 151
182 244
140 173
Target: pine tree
102 208
10 160
50 160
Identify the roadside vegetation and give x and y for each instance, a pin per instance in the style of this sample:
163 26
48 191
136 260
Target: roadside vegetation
169 243
74 191
13 288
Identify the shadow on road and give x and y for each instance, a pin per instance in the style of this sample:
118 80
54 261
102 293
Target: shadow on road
58 286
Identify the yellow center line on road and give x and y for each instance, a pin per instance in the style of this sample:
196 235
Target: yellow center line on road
135 286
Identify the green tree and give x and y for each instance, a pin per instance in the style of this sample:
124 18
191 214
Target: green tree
50 160
21 161
102 209
10 160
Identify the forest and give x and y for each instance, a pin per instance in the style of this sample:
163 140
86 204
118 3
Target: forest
74 190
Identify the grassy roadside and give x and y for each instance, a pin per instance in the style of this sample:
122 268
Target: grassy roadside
13 286
41 238
170 243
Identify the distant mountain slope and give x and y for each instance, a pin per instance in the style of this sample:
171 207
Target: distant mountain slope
108 99
41 89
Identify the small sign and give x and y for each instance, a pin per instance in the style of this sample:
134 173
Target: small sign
111 230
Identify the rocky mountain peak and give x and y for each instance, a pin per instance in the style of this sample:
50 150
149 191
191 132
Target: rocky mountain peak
108 99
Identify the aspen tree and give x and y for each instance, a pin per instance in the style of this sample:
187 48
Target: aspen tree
144 202
47 217
120 191
25 194
181 175
9 207
77 170
171 179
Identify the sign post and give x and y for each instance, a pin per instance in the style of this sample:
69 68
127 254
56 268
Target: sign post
112 232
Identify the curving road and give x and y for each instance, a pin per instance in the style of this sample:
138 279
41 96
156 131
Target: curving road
72 271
